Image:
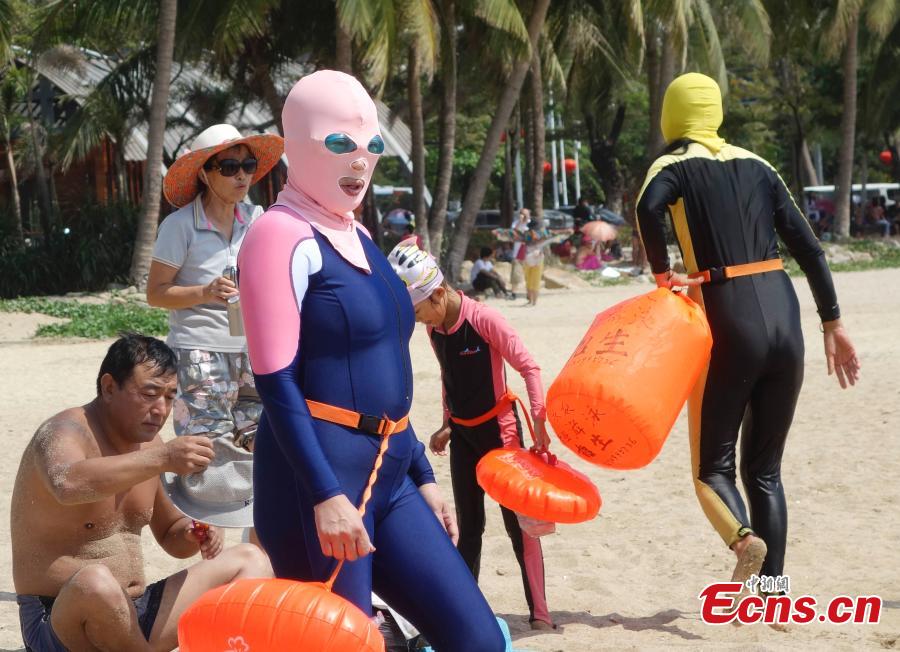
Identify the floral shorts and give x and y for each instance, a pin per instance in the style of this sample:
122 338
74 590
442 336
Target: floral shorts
216 393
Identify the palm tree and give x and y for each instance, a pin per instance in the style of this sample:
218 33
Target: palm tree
149 217
7 20
417 129
11 94
447 127
380 28
599 49
681 32
842 39
504 18
510 92
538 134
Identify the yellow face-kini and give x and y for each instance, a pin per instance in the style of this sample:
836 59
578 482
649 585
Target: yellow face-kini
692 108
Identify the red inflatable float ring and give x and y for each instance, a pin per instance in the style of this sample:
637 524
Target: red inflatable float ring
276 615
538 485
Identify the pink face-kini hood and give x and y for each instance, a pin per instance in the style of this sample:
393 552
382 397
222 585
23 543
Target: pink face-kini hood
331 104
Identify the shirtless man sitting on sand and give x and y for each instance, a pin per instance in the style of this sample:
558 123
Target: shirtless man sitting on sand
87 485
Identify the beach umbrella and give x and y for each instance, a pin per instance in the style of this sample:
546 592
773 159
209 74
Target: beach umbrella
600 231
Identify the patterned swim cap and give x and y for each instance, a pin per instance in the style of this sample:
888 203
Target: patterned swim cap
417 269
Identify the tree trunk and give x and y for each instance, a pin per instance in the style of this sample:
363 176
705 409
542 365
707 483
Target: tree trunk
481 177
417 128
438 217
343 48
808 170
652 56
662 63
40 176
507 197
539 135
13 186
149 219
603 158
848 135
527 145
270 95
369 217
805 170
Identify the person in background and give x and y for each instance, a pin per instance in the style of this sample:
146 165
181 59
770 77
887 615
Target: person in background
534 259
473 343
582 212
519 229
483 276
191 275
88 484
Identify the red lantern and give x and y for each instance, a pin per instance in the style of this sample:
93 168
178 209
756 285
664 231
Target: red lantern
886 157
547 167
570 164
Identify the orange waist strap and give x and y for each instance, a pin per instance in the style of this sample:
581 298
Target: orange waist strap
365 422
719 274
504 401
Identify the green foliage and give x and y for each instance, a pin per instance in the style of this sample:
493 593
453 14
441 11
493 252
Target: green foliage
94 253
91 320
596 278
865 254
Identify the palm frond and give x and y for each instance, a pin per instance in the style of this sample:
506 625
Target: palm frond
419 21
844 14
378 42
222 26
749 23
673 18
76 21
356 16
709 46
882 15
552 69
7 18
502 15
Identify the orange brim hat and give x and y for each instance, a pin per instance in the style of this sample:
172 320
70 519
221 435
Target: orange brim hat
182 183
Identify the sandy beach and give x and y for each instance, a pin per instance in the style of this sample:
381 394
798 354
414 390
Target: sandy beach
630 578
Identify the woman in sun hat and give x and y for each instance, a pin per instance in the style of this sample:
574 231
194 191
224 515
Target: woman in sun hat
195 247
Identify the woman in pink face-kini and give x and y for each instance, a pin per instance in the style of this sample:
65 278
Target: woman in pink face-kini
328 324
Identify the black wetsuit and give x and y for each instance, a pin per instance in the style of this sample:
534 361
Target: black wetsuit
471 355
727 209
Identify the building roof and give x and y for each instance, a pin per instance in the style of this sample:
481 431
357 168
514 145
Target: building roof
183 123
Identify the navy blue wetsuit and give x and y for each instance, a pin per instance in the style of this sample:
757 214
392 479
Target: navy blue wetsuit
352 352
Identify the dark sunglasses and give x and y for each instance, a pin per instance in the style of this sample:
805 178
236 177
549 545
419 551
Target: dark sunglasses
229 167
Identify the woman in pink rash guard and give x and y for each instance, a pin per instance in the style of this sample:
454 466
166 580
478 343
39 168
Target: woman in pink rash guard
336 387
471 342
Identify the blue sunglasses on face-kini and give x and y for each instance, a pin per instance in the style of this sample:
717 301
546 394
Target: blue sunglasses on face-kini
343 144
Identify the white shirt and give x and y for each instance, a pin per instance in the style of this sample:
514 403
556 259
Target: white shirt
480 265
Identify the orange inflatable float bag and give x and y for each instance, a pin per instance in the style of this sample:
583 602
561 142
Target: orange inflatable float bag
618 396
276 615
538 486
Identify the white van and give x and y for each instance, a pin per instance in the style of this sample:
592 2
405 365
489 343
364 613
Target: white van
890 191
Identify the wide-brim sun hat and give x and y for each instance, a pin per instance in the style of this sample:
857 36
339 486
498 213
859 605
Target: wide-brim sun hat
182 181
221 494
227 511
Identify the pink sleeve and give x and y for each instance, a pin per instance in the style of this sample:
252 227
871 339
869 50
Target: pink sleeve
268 300
500 335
